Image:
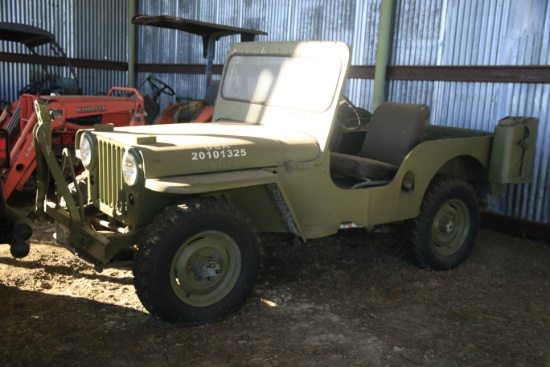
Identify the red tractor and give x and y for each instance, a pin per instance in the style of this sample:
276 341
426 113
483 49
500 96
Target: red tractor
70 113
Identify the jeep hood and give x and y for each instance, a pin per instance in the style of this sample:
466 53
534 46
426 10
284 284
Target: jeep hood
177 149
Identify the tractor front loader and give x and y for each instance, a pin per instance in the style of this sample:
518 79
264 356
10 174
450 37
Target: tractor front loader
71 113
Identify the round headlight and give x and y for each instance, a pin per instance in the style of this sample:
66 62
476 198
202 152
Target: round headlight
86 150
131 161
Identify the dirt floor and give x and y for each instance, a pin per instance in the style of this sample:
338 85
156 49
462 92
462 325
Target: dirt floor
348 300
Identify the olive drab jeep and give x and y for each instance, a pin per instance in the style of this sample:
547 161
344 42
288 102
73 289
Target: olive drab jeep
286 152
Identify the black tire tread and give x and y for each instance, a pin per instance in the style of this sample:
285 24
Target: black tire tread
144 262
415 227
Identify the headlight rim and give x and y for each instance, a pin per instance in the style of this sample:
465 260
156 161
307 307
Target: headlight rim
91 141
138 175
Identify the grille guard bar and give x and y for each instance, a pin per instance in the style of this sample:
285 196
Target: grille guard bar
47 167
90 245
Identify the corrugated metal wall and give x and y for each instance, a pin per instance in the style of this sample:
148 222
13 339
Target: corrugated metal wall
426 33
100 32
93 30
436 32
488 33
44 15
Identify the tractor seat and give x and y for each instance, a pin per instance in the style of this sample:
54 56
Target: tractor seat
151 107
395 128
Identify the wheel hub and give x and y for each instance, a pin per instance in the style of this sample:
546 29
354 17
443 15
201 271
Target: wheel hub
447 225
206 270
451 227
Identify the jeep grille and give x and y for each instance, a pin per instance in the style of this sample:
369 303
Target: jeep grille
110 181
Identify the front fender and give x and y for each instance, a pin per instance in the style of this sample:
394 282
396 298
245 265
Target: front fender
257 192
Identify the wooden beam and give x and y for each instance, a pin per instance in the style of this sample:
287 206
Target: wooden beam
483 74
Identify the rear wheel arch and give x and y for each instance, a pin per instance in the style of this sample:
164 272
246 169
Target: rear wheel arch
468 169
464 167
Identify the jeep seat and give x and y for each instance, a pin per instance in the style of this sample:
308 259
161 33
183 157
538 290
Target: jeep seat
394 130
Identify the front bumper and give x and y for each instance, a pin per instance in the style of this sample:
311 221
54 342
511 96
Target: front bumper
97 247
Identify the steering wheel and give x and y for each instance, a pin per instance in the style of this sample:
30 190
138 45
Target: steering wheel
342 115
158 86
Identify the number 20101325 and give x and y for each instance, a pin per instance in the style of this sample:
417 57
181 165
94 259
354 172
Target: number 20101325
218 154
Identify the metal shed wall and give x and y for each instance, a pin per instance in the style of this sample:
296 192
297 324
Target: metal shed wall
350 21
93 30
488 33
426 33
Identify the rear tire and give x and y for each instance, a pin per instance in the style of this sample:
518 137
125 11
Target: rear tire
198 263
443 234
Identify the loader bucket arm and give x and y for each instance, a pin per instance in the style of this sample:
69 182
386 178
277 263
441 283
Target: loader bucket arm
46 167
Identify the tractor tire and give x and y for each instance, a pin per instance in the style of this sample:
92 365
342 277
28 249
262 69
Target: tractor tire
197 263
441 237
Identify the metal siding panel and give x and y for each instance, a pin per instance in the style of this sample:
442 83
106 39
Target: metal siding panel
41 14
101 30
100 81
14 77
75 25
432 32
365 33
471 32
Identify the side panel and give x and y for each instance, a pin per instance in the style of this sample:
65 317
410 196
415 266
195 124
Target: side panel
210 182
420 166
322 208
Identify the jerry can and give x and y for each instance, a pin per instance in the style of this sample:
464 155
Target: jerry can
513 150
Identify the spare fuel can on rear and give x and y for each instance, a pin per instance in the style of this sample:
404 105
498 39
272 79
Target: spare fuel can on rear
513 150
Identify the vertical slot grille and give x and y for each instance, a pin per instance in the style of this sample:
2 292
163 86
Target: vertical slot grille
111 193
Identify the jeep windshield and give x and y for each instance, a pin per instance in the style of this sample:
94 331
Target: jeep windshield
284 82
294 87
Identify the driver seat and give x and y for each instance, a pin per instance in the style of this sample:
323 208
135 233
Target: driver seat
395 129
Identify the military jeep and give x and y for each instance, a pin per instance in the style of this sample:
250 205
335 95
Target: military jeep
286 152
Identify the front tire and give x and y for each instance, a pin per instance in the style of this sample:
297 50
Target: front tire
198 263
443 234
